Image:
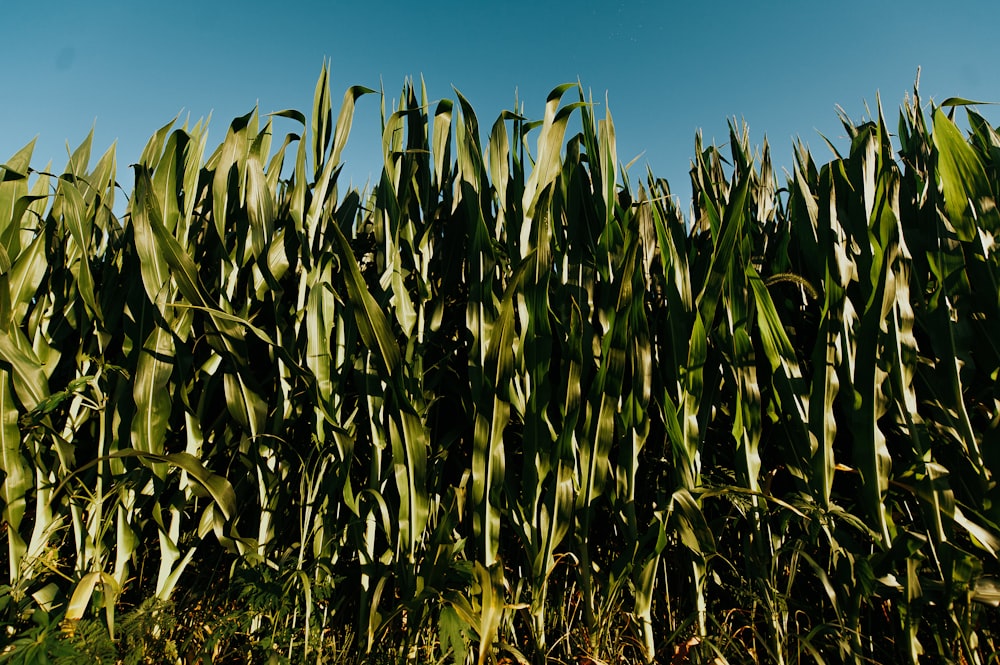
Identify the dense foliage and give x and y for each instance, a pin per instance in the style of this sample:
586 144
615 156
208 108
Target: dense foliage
505 404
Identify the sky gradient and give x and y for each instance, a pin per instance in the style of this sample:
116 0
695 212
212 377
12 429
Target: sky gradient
668 68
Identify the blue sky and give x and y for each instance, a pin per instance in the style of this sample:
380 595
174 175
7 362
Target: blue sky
668 68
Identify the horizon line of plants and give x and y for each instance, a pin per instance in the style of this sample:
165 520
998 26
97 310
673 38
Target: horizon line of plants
505 404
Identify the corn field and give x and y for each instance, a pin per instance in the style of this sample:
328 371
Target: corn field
503 406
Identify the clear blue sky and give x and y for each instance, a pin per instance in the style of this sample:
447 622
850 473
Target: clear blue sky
668 68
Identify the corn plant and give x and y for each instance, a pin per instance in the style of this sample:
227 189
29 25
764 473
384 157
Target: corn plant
504 403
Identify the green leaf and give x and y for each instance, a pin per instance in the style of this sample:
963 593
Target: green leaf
345 118
13 188
691 523
372 323
454 634
321 121
442 139
18 477
84 591
152 263
968 198
75 215
260 205
30 383
961 101
215 486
